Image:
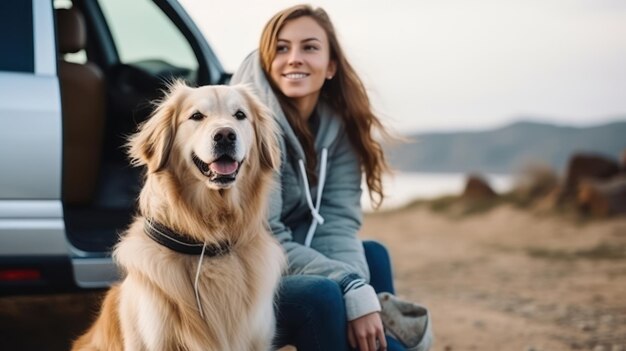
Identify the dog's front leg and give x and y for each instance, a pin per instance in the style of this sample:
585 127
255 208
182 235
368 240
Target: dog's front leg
143 317
264 328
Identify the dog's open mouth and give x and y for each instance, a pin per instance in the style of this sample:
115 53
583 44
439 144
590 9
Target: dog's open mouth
222 170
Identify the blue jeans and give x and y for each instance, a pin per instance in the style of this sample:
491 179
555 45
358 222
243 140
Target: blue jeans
310 310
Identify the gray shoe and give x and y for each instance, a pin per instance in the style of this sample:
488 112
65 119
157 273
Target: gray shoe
407 322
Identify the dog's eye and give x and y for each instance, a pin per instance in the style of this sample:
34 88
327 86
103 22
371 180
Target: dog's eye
240 115
197 116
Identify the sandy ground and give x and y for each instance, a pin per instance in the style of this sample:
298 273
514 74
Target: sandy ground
503 280
510 279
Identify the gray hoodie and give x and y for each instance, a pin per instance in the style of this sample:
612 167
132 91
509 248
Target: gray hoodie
318 225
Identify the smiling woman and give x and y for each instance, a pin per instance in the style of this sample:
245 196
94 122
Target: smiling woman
302 63
328 300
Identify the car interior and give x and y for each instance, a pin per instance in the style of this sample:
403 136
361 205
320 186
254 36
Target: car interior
109 78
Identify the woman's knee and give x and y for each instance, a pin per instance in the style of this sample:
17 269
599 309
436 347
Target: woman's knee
379 263
374 248
326 297
321 296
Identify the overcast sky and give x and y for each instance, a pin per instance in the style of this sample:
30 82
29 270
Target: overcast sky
457 64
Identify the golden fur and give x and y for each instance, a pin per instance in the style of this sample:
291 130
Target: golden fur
154 307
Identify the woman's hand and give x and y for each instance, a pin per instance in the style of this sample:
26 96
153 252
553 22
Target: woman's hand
365 331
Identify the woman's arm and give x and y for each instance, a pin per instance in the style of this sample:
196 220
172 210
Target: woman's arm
336 252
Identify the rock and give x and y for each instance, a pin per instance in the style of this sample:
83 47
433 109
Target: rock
587 166
477 188
602 198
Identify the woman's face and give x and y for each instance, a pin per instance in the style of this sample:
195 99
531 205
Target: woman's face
302 61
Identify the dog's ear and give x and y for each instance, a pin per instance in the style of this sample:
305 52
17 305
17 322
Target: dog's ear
265 129
152 144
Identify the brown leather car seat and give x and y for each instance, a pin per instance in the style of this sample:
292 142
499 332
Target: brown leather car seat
83 103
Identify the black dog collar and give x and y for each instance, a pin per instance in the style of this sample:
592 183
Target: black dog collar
179 243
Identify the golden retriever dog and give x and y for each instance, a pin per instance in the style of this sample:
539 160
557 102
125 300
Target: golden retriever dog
200 267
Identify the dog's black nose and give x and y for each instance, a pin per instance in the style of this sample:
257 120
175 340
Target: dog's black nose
225 134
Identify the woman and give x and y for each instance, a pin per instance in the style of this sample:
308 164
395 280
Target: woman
301 73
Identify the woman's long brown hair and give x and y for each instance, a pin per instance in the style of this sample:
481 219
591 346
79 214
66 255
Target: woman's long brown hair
345 93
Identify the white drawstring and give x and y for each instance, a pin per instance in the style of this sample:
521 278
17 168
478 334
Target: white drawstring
317 218
195 284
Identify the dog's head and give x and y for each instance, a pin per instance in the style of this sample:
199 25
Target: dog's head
211 132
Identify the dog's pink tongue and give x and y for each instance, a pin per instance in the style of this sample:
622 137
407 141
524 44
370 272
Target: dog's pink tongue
224 167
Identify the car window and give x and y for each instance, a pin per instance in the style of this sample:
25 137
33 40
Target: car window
143 33
16 36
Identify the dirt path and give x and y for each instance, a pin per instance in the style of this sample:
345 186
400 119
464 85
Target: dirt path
511 280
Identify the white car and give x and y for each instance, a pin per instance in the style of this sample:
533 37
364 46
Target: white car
76 77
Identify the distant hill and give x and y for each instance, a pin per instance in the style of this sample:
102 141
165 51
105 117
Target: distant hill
506 149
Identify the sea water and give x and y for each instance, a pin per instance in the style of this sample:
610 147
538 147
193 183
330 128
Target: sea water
402 188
